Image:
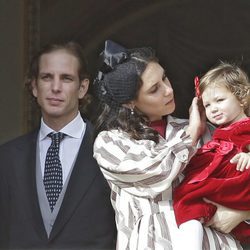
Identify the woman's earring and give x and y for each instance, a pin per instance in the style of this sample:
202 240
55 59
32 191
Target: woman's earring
132 111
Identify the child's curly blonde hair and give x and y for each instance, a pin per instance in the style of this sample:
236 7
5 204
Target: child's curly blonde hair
232 77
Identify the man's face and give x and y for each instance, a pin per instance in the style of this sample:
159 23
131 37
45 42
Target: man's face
58 87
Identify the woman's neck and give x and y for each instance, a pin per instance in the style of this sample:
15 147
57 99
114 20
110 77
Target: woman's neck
159 126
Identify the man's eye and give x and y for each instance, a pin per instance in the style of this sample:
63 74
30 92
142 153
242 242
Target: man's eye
46 77
67 79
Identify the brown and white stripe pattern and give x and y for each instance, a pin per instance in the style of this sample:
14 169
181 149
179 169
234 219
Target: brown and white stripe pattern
140 174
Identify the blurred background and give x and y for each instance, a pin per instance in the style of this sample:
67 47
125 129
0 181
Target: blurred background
189 36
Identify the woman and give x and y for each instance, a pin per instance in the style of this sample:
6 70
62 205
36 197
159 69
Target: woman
139 164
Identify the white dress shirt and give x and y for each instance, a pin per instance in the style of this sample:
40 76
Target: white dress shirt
69 146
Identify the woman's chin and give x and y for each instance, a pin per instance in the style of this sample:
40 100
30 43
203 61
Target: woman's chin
170 109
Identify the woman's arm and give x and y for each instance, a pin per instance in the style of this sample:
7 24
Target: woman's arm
226 219
142 167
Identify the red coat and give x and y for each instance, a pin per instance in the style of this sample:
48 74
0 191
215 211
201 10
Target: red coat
210 174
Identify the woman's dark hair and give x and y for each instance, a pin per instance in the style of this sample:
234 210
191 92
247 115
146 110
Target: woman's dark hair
119 85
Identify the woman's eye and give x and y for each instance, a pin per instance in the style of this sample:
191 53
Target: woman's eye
154 89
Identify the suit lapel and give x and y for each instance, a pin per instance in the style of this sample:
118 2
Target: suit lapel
81 178
26 174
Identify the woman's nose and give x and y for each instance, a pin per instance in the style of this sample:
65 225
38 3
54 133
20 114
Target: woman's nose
167 90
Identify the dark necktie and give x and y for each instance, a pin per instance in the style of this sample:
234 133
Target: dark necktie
53 181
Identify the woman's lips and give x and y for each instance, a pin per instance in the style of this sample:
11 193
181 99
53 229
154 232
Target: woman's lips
169 101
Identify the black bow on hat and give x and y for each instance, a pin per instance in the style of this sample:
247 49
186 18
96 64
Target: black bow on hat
113 54
117 79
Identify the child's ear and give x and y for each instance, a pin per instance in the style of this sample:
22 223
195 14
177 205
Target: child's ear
244 103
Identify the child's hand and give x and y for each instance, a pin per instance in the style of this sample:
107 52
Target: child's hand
242 160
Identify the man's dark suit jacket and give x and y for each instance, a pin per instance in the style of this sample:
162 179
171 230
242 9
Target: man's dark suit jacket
86 218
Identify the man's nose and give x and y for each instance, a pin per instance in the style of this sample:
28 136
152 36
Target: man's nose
56 84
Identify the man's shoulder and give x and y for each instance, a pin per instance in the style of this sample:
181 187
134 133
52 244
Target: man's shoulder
89 125
20 140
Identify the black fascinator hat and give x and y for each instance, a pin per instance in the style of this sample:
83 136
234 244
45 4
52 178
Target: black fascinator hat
119 74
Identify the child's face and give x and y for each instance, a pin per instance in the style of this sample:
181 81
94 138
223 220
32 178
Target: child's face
222 107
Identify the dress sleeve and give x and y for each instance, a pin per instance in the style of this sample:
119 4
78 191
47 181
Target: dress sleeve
242 135
142 167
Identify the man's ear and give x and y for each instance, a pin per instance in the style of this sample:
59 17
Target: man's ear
34 87
84 86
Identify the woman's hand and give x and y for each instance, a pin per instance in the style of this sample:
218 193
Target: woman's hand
226 219
197 120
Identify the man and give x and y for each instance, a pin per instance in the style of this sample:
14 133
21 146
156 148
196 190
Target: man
55 196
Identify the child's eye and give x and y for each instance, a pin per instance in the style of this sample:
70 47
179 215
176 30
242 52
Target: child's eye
220 100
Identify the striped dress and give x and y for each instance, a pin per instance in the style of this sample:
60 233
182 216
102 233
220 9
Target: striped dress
141 175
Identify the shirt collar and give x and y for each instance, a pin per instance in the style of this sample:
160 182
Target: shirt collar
73 129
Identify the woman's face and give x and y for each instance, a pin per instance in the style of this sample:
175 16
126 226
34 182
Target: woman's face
155 97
